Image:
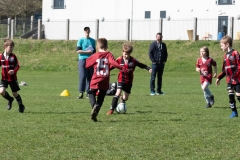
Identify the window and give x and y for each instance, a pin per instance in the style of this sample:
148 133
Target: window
58 4
162 14
224 2
147 14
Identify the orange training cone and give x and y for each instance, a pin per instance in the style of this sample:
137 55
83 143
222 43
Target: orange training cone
65 93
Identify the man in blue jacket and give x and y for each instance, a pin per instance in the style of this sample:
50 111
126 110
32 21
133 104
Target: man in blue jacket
158 55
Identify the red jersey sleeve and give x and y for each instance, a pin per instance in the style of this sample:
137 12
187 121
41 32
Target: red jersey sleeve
113 62
90 61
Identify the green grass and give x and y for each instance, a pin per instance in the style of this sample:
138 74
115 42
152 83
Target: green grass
173 126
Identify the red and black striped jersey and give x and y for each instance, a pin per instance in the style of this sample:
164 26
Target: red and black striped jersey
205 69
231 67
11 63
130 65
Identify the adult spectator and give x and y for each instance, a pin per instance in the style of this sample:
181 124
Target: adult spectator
85 48
158 55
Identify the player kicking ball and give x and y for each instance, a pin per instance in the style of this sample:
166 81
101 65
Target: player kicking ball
125 79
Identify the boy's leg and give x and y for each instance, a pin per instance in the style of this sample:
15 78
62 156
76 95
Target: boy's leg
4 93
15 88
97 106
232 104
115 101
92 96
100 98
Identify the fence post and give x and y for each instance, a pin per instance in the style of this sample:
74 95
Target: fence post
160 25
12 29
231 27
24 29
67 29
194 29
128 30
97 28
31 25
39 28
9 29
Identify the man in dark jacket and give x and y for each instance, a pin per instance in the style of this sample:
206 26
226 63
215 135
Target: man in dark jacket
158 55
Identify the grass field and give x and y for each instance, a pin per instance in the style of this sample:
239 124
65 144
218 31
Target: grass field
173 126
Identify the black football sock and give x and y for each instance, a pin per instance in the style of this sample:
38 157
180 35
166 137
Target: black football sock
114 102
19 100
232 101
7 96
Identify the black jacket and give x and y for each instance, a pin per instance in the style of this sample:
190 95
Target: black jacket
158 54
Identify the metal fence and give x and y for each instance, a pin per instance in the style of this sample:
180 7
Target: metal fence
174 29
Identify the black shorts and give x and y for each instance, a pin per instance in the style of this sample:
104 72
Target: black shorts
125 87
13 85
235 87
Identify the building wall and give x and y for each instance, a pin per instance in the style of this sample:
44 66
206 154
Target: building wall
113 14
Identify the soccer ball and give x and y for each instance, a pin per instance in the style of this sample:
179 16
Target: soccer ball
121 108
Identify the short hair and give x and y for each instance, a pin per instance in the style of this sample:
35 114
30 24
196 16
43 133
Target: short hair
86 28
127 47
226 39
102 43
8 42
205 48
159 33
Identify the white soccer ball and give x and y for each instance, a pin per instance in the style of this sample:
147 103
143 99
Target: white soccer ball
121 108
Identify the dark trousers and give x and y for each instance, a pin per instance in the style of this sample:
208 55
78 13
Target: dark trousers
157 70
85 76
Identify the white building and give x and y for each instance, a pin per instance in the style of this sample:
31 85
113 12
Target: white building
213 16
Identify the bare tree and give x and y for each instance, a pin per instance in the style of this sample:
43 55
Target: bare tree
19 8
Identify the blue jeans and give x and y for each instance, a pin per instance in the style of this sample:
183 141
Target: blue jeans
157 70
85 76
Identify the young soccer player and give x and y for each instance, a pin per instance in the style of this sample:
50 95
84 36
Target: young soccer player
204 66
125 79
101 62
10 66
230 69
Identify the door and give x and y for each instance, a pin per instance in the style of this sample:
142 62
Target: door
223 24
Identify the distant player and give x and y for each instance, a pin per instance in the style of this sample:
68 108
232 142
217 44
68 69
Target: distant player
101 62
125 79
204 66
10 66
230 69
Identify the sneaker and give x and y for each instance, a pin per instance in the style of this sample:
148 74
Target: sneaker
80 96
94 113
160 93
9 106
152 93
212 98
21 108
208 105
234 114
110 112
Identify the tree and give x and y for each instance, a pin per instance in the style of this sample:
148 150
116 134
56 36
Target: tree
19 8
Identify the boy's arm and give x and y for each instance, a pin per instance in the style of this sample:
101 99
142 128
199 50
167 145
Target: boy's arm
141 65
89 62
16 68
113 62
